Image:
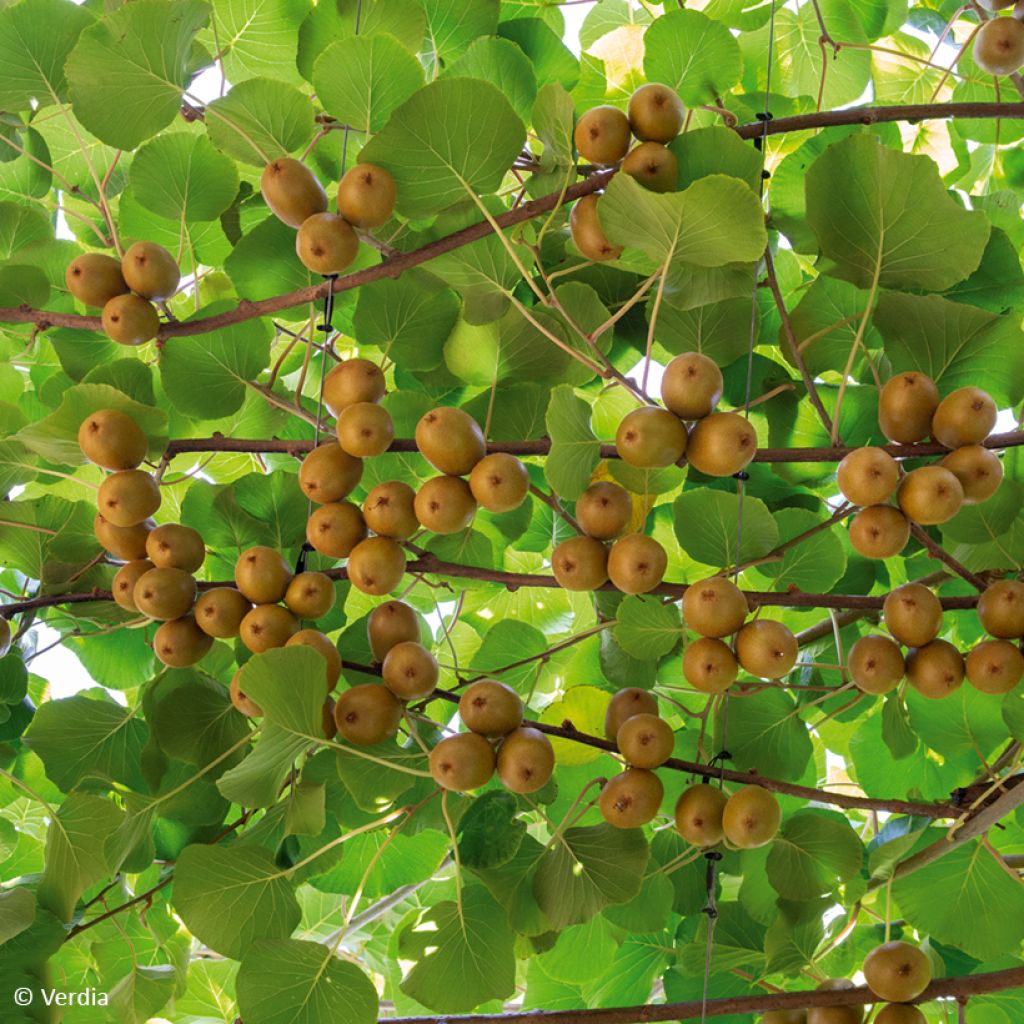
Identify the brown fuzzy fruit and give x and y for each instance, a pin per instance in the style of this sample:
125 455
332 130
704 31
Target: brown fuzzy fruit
219 612
766 649
310 595
852 1014
326 243
499 482
906 405
709 665
785 1017
714 607
624 705
876 664
930 495
645 741
692 386
181 643
322 644
653 166
390 623
365 429
587 232
879 531
376 565
328 726
526 760
171 546
491 708
367 714
462 762
267 626
650 438
123 586
164 594
366 196
979 470
128 498
602 135
913 614
900 1013
112 440
94 279
328 473
637 563
335 529
130 320
721 444
604 510
242 703
450 440
1001 609
390 510
935 670
751 817
150 271
444 504
632 798
656 113
125 542
351 381
699 811
292 191
868 476
262 575
580 563
410 671
897 971
994 666
964 417
999 46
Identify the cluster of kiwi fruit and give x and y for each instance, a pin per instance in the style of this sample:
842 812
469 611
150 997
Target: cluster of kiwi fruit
654 117
327 243
999 44
909 410
125 289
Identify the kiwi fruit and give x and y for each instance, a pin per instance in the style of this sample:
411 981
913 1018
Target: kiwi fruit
5 637
709 665
936 669
112 440
632 798
645 741
262 575
180 643
852 1014
906 405
965 416
999 46
624 705
653 166
444 504
328 726
128 498
655 113
876 664
171 546
292 191
900 1013
164 593
328 473
462 762
219 612
913 614
714 607
879 531
604 510
766 649
1001 609
365 429
94 279
351 381
994 666
123 586
897 972
930 495
326 243
376 565
751 817
490 708
391 623
979 470
367 714
868 476
650 438
785 1017
997 5
125 542
242 703
322 644
692 386
602 135
366 196
150 271
587 233
410 671
390 510
699 811
499 482
450 440
526 760
336 528
721 444
580 563
130 320
266 627
310 595
637 564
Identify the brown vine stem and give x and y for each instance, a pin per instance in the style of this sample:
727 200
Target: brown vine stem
943 988
941 555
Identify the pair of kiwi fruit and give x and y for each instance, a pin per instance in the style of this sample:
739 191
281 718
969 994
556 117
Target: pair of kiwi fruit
706 816
635 563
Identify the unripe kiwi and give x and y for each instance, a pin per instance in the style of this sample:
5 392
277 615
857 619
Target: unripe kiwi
714 607
897 971
995 666
900 1013
637 563
389 510
172 546
999 46
180 643
112 440
906 405
130 320
410 671
310 595
645 741
653 166
266 627
219 612
123 586
580 563
164 593
366 196
95 278
351 381
650 438
979 470
444 504
913 614
965 416
632 798
766 649
125 542
324 647
751 817
262 575
128 498
365 429
292 191
930 495
376 565
721 444
656 113
336 528
462 762
624 705
526 760
328 473
876 664
602 135
604 510
499 482
587 233
1001 609
367 714
491 708
391 623
450 440
326 244
692 386
241 701
150 271
699 812
868 476
709 665
935 670
879 531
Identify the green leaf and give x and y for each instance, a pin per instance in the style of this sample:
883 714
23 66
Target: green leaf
575 451
814 565
506 643
127 72
463 954
306 810
790 945
813 853
13 679
606 16
991 534
967 722
765 732
715 150
552 120
453 24
585 707
582 953
17 912
550 58
20 226
706 525
719 330
647 628
490 832
896 225
256 37
505 66
453 138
